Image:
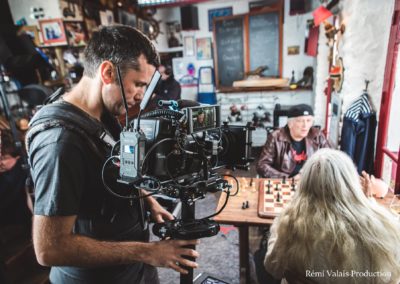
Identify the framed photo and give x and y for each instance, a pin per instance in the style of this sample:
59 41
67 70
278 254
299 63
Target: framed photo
219 12
106 18
293 50
204 50
53 32
76 34
127 18
32 32
188 45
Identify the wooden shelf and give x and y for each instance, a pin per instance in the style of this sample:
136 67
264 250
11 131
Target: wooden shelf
171 49
261 89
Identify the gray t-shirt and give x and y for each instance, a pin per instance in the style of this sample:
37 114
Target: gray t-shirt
67 178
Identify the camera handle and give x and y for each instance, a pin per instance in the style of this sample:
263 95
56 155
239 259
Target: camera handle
188 213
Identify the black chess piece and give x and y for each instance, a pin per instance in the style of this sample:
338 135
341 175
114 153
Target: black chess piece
243 205
268 189
293 187
247 204
283 180
278 198
277 187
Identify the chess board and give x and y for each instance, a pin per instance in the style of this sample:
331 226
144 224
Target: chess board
269 204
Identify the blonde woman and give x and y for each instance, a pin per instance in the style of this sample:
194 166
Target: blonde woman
331 232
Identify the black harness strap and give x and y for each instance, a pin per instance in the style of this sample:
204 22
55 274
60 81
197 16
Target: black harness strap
60 114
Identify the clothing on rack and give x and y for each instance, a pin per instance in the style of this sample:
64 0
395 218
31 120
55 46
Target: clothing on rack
358 133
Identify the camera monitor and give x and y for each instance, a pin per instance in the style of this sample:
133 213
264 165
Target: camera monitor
201 118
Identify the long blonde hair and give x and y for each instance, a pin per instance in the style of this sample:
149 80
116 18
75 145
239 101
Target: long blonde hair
331 210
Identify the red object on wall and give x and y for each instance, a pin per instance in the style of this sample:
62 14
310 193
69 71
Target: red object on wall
312 42
321 14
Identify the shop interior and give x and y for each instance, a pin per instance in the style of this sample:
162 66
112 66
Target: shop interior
239 65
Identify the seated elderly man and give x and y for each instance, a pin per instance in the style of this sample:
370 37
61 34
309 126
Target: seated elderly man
287 148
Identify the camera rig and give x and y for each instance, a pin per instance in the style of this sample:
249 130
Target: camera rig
176 153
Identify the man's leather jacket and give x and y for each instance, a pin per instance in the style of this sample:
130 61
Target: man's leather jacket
276 160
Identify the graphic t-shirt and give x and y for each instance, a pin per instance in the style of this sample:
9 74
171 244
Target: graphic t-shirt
298 149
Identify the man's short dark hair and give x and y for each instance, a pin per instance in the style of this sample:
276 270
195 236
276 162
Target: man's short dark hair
121 45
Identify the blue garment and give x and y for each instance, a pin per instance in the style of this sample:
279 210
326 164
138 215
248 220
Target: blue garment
358 134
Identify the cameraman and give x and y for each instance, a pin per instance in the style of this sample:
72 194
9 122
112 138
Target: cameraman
83 232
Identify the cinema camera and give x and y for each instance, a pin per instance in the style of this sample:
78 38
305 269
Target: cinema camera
176 152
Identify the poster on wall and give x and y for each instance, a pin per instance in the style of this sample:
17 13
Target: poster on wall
106 18
219 12
204 50
188 43
53 32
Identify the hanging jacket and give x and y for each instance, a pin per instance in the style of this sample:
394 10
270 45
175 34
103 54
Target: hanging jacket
358 134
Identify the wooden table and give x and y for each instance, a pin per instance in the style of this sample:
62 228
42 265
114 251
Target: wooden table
233 214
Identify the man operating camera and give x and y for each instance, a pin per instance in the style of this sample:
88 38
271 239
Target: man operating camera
83 232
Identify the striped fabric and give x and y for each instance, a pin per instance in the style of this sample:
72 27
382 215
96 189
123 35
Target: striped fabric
358 107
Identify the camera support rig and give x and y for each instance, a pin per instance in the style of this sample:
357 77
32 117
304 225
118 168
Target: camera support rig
194 175
188 228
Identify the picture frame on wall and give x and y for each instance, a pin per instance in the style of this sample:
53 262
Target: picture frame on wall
127 18
188 46
53 32
219 12
204 48
76 34
106 18
32 32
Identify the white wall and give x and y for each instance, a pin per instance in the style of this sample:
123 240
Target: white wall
363 48
293 31
22 9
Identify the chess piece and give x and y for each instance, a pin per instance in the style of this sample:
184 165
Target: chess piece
278 197
277 187
247 204
268 189
292 84
283 180
293 187
243 205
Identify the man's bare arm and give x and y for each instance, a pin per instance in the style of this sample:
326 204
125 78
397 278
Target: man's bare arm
56 245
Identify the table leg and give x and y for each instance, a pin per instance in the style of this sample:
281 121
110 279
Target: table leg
244 254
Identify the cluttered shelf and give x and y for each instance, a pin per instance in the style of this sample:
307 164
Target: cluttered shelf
260 89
